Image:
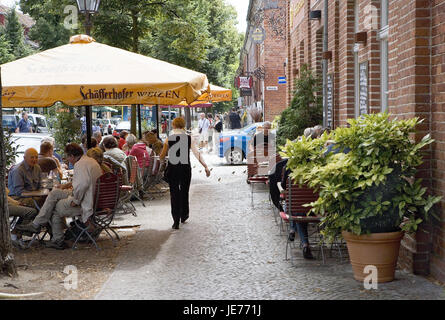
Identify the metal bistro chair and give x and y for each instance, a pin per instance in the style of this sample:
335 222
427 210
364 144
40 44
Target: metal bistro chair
258 168
105 203
295 197
132 189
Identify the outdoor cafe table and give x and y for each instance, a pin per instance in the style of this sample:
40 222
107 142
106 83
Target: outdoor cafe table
42 193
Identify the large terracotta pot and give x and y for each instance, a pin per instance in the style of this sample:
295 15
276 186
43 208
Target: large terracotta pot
377 249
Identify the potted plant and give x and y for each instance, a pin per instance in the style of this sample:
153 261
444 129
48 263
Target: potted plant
367 188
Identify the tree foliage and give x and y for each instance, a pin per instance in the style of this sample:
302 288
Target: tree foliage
306 109
66 125
13 38
368 185
195 34
49 31
5 49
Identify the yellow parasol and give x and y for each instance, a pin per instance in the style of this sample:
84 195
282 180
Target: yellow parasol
85 72
217 94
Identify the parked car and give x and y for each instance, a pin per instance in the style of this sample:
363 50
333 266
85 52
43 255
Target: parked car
173 114
124 125
10 122
233 145
39 123
25 141
108 125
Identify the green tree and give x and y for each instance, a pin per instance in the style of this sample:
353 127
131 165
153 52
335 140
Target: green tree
5 49
306 109
14 34
49 31
66 125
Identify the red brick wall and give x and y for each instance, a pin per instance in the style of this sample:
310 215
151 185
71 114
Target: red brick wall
437 266
275 54
271 55
416 88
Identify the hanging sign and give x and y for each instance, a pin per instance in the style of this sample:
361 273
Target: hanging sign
363 88
244 82
258 35
329 101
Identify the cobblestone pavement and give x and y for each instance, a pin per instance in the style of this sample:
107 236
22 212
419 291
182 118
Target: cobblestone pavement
231 250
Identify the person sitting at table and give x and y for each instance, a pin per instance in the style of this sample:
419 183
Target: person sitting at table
112 149
25 177
122 136
153 142
53 143
48 162
130 142
25 215
98 136
69 200
98 155
139 150
84 144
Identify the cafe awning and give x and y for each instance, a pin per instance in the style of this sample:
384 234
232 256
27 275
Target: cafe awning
85 72
217 94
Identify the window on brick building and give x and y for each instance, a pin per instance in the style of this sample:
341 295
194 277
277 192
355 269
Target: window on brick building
383 35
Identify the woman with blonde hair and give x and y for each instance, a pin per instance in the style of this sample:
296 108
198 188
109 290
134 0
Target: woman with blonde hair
179 171
98 155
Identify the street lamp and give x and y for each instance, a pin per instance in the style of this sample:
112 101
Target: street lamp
88 7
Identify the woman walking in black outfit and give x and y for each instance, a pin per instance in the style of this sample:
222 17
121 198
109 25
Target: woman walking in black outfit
179 171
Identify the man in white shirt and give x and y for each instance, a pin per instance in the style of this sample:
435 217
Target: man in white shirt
69 200
203 125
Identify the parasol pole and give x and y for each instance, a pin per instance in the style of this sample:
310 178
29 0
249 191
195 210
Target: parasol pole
139 121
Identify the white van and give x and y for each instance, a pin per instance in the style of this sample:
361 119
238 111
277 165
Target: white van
39 123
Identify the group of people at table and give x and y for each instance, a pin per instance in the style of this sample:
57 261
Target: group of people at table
35 206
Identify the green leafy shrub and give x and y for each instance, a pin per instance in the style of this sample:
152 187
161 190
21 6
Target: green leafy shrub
66 126
372 187
306 109
10 149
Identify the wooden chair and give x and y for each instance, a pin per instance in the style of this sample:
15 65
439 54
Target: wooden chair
294 199
105 203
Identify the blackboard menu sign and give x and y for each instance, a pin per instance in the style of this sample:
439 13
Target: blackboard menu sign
245 92
329 101
363 88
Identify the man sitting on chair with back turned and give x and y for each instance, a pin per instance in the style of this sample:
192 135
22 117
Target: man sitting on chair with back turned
63 202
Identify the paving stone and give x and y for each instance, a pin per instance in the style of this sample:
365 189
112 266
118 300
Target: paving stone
231 250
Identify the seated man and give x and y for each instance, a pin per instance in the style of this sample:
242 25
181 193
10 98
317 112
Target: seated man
47 161
275 177
301 228
65 202
153 142
53 143
25 177
25 215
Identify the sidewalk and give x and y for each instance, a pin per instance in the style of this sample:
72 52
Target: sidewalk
230 250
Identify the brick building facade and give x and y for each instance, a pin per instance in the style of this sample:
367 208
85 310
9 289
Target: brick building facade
382 55
266 62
